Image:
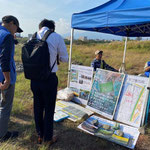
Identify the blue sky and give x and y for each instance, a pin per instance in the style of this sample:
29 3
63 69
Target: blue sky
31 12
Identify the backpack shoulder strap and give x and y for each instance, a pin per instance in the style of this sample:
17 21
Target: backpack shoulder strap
46 35
53 66
34 35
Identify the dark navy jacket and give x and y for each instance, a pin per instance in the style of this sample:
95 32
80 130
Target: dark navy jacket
101 64
7 48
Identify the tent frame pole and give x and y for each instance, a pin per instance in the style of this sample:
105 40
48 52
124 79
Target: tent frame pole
122 68
70 56
125 48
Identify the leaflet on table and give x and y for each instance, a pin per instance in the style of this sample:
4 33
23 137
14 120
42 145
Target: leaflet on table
75 111
60 115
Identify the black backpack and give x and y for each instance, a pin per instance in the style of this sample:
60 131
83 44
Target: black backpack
36 58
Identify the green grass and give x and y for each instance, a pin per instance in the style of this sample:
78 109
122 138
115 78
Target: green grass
18 53
70 138
23 95
62 75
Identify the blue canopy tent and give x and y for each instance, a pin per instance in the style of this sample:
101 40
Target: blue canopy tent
119 17
128 18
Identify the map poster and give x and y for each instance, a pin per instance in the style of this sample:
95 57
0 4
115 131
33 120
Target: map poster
132 100
115 132
81 82
105 92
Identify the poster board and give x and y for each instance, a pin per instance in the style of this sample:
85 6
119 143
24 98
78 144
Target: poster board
97 126
105 92
146 105
60 115
81 82
132 100
75 111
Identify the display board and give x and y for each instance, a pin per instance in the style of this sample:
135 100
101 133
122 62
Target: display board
81 82
75 111
105 92
119 133
132 100
60 115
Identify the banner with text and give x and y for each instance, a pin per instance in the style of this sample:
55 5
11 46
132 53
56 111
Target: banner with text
81 82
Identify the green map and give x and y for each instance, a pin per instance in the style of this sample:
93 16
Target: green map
105 91
106 87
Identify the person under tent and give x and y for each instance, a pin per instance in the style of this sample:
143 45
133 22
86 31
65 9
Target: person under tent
99 63
147 69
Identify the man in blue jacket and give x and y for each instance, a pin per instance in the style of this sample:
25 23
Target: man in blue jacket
147 69
8 28
99 63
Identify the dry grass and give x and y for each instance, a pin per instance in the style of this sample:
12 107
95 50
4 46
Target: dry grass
70 138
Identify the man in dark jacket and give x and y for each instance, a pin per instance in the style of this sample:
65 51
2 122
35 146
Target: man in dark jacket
45 91
99 63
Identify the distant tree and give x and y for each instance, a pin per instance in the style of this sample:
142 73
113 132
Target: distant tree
138 38
123 39
67 42
22 40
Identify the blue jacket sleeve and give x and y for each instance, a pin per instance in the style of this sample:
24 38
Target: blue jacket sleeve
93 65
5 55
107 67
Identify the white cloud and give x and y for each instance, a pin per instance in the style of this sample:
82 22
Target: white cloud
31 12
62 26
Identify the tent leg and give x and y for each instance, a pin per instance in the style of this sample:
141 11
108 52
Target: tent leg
70 56
122 68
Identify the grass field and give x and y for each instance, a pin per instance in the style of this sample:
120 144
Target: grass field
70 138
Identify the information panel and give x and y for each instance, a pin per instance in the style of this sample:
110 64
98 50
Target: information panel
105 92
81 82
75 111
118 133
132 100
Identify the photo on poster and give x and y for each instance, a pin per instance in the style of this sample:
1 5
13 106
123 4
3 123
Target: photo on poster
75 91
105 92
74 75
84 94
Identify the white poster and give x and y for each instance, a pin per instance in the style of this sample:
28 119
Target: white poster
81 82
118 133
132 100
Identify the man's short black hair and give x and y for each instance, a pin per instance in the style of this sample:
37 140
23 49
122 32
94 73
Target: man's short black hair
47 23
